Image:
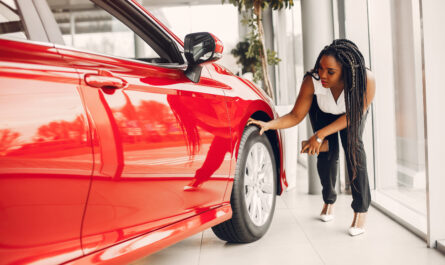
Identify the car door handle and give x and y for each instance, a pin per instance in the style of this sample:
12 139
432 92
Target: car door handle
105 79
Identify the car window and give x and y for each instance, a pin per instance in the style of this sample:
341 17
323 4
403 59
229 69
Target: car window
11 24
88 27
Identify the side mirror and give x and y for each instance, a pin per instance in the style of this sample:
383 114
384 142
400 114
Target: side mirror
199 48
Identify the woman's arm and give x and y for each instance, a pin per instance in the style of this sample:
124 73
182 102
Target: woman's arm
339 124
297 114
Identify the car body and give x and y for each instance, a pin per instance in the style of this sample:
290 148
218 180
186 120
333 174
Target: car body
106 159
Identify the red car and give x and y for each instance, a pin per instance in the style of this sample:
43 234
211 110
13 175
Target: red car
117 139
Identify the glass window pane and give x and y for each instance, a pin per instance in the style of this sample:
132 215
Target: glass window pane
95 30
407 184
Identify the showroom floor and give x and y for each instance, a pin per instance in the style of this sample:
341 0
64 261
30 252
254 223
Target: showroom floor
296 236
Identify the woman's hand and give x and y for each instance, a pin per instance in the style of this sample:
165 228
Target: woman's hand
264 126
312 146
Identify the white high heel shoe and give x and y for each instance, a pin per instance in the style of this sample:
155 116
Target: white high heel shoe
357 224
326 217
355 231
326 214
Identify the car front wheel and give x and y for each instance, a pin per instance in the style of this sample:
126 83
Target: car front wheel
254 190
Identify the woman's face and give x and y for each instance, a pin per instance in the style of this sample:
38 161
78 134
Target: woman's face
330 72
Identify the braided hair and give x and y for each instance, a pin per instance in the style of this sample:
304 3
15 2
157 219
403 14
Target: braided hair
354 77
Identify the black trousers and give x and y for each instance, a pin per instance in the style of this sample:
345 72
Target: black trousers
327 162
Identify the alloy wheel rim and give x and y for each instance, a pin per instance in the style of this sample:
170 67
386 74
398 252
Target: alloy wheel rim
258 184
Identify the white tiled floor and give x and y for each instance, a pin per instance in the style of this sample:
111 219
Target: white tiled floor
296 236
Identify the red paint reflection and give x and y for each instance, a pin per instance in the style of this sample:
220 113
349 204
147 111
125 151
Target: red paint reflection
153 141
45 156
8 139
192 120
215 157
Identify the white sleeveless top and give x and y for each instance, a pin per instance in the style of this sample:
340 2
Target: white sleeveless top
326 100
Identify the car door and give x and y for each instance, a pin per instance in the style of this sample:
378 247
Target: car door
161 143
46 158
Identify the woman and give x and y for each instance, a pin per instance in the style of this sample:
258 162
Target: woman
336 94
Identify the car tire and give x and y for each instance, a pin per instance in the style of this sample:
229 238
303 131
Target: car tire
253 192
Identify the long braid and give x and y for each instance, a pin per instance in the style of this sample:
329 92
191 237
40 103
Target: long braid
354 77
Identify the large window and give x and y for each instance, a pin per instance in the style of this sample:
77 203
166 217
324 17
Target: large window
408 183
399 120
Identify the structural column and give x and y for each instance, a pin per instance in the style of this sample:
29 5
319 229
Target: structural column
433 58
269 39
318 31
139 47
